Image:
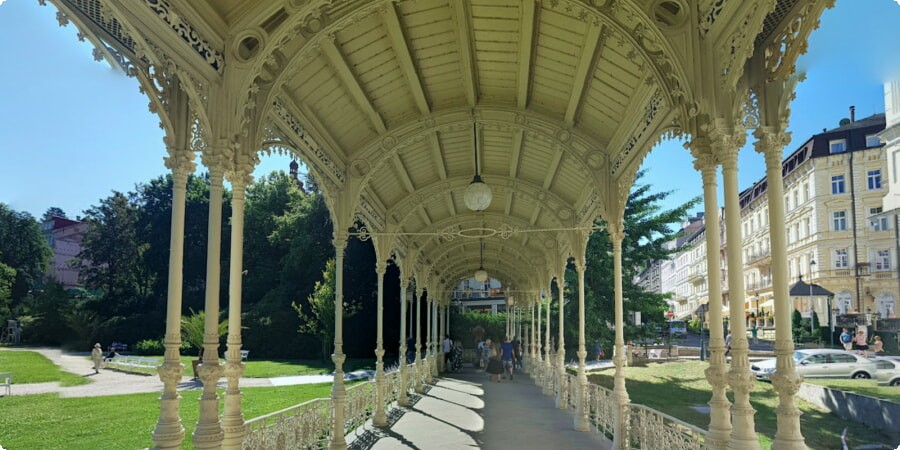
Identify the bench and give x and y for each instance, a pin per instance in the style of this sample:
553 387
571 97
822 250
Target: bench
244 355
134 364
6 381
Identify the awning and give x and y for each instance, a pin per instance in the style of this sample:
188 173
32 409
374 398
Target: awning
803 289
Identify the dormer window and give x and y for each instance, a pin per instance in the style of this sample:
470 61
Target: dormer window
837 146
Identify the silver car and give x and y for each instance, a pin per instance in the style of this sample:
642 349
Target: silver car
888 370
821 363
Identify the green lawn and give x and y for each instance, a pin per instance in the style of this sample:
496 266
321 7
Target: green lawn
33 367
674 387
286 367
862 387
122 421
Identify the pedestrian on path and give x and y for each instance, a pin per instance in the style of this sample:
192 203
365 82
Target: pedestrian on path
507 350
97 357
448 347
861 345
877 345
494 366
755 333
728 344
847 340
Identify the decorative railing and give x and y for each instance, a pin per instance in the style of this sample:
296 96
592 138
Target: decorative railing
602 405
571 391
359 406
392 387
649 429
411 374
306 426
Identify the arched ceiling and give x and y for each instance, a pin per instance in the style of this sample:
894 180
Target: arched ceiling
380 98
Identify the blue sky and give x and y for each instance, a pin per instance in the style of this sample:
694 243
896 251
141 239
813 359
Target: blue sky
72 130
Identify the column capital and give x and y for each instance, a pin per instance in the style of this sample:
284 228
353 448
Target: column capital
180 161
240 172
726 146
381 268
770 142
218 160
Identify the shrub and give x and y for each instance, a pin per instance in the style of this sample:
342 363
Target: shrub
149 347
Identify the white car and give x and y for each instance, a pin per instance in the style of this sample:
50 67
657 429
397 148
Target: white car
888 370
821 363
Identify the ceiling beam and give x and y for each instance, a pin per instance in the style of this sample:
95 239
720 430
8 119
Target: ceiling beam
466 53
437 155
518 139
399 43
509 202
424 216
592 41
526 45
404 175
340 65
451 205
534 217
551 171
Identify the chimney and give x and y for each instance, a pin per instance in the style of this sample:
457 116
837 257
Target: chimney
852 114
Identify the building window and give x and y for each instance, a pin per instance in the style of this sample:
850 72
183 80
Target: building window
879 223
874 179
805 191
838 146
840 259
872 141
837 184
839 220
883 260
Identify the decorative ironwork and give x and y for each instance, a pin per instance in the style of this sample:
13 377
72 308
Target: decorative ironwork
650 112
307 425
359 406
602 405
650 429
288 118
188 33
99 14
714 11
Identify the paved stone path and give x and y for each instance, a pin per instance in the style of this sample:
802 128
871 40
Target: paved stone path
112 382
467 411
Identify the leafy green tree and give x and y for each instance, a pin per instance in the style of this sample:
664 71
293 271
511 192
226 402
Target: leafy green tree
7 278
53 211
649 222
24 249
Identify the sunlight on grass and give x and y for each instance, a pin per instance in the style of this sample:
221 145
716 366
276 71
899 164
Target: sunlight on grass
674 388
121 421
286 367
32 367
862 387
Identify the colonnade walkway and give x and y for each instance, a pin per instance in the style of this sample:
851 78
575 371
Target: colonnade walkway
467 410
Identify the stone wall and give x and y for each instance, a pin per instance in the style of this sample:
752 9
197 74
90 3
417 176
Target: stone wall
876 413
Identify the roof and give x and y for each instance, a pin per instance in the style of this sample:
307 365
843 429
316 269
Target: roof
802 289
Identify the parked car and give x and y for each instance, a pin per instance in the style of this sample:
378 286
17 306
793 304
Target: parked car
888 370
821 363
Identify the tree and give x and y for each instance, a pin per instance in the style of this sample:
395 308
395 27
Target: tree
317 316
194 326
24 249
649 222
7 278
53 211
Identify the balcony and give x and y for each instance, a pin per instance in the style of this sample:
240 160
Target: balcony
759 285
763 258
696 274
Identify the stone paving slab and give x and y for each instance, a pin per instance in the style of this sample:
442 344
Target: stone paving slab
467 411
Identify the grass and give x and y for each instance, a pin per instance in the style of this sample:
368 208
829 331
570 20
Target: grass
32 367
123 421
674 387
288 367
862 387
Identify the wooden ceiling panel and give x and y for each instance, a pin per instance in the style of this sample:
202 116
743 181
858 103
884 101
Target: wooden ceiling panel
496 33
569 181
419 162
497 147
457 152
432 42
535 158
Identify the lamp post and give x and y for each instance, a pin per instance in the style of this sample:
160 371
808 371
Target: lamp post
812 312
831 319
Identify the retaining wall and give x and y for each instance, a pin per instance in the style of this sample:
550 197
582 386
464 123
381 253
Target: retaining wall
874 412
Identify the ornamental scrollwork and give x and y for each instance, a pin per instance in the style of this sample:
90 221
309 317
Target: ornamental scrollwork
188 33
309 142
710 18
650 111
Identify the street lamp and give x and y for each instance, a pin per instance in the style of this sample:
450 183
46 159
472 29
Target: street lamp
812 312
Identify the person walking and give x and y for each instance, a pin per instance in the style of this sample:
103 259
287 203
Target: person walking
517 353
486 354
507 357
479 352
494 366
97 357
847 340
877 345
861 345
598 350
448 347
754 332
410 350
728 343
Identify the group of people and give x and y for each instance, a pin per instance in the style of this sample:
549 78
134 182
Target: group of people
452 352
500 360
860 343
98 358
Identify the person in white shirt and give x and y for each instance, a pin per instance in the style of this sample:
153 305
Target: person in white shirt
448 346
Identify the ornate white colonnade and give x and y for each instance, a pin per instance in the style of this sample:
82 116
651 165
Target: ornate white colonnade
379 98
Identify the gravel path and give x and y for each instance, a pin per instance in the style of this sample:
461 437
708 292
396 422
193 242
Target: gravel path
112 382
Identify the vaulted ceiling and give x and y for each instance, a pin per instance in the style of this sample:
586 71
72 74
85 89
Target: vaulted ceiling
379 98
